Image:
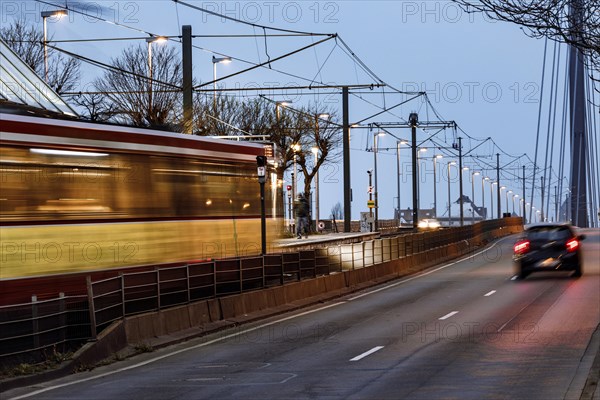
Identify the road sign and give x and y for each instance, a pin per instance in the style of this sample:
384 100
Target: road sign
371 203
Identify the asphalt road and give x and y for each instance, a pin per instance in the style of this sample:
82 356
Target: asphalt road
463 330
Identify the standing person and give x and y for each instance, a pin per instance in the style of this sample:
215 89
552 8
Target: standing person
302 211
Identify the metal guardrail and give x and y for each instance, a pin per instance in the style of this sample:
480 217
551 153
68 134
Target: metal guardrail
27 330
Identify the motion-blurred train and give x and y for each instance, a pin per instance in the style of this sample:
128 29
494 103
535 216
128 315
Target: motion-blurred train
78 196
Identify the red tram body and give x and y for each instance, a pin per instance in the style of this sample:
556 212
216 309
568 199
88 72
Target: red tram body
78 197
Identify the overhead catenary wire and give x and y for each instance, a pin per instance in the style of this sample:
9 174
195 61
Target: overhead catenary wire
342 45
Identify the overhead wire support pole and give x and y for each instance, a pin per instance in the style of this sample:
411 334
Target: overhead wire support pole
413 120
346 155
460 181
186 46
498 185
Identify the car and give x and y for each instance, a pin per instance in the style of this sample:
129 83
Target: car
429 224
548 247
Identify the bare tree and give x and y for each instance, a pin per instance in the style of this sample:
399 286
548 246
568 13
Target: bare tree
576 22
27 42
294 132
95 106
309 129
139 100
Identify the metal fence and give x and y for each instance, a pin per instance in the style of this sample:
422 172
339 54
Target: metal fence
32 332
30 329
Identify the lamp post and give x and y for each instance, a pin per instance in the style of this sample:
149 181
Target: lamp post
215 61
261 164
461 193
435 157
375 171
513 202
507 193
499 204
45 15
492 198
295 149
279 104
473 196
315 151
449 201
482 195
150 40
398 166
370 172
418 172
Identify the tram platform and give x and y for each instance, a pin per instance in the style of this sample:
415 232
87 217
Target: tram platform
318 240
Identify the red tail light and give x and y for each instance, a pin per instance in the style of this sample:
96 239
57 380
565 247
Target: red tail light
572 245
521 247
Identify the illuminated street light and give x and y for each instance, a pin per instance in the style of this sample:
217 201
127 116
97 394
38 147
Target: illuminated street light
449 200
45 15
482 193
435 157
418 172
315 151
150 40
375 170
295 148
217 60
473 175
398 143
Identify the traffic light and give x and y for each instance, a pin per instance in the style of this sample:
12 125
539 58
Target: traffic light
261 161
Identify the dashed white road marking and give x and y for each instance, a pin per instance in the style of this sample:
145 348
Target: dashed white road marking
448 315
488 294
366 353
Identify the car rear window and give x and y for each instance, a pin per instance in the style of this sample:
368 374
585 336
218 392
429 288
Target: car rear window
549 233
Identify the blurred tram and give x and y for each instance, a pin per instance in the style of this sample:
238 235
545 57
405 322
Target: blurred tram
78 197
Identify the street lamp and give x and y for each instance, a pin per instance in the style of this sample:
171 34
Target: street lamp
492 198
449 201
150 40
278 104
513 201
315 151
261 165
507 193
473 175
217 60
461 195
500 203
435 157
375 170
45 15
295 148
418 172
398 143
482 194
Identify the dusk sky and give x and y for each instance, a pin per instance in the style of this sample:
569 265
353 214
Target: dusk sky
485 75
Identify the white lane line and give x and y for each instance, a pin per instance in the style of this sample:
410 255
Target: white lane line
425 273
366 353
448 315
152 360
488 294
